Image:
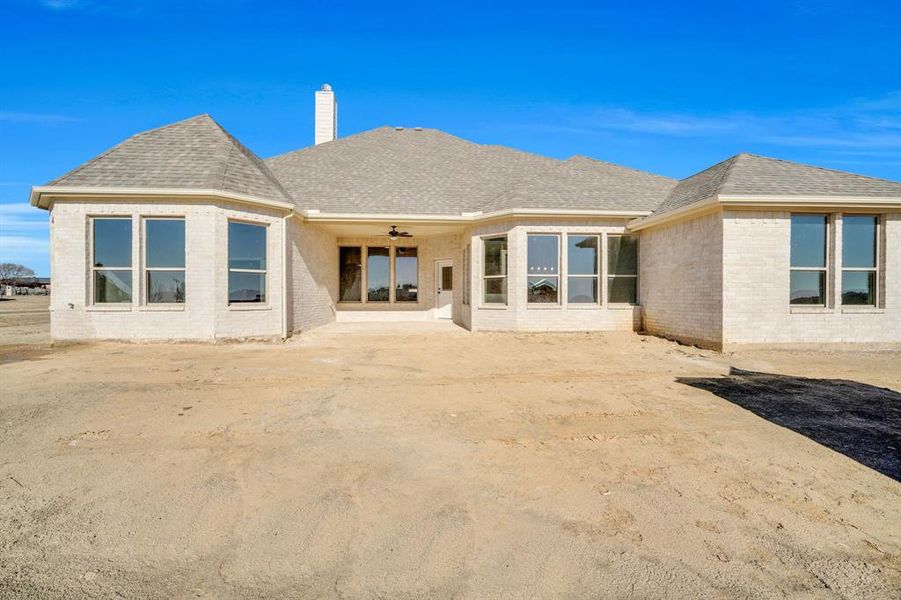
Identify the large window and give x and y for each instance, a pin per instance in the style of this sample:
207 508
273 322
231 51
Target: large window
582 260
111 258
350 281
164 260
622 269
406 275
246 262
859 259
378 273
808 259
494 275
543 269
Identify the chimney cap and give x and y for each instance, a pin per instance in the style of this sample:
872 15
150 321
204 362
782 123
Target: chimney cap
326 87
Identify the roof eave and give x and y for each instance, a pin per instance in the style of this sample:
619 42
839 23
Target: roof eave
770 202
467 217
44 196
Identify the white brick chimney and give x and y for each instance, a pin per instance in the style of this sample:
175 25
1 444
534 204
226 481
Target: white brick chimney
326 115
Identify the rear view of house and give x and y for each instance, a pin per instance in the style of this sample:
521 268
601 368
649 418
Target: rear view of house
182 232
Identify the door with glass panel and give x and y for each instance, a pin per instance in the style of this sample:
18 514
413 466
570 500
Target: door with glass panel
444 290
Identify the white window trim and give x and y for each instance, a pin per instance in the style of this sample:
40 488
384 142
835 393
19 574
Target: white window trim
145 290
266 304
392 274
596 276
92 268
483 303
826 269
558 275
875 270
608 275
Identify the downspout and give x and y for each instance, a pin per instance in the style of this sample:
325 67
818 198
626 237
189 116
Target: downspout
285 275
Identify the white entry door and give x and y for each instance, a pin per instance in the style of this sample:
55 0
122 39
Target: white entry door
444 289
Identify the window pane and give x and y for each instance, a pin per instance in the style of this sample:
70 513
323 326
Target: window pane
543 254
447 278
377 274
808 241
496 290
165 286
543 289
246 246
582 254
351 274
582 290
622 289
858 241
496 256
808 287
165 243
112 286
246 287
112 243
406 275
859 287
622 255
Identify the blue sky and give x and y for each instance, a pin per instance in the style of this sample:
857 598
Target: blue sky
671 87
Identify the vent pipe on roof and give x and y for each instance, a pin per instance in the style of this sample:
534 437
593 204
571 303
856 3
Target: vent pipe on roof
326 129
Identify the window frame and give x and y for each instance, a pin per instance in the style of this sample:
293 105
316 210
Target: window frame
608 275
248 305
467 272
362 248
558 275
145 295
484 302
599 266
392 273
875 269
827 262
92 297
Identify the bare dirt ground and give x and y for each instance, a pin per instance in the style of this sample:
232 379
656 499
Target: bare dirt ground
435 464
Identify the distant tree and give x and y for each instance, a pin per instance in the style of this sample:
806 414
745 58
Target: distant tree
11 272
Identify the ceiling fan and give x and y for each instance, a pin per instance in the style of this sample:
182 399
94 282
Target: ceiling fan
394 233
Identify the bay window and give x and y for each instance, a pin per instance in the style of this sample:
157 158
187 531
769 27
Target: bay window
111 260
859 259
164 260
622 269
582 260
494 270
808 259
246 262
543 269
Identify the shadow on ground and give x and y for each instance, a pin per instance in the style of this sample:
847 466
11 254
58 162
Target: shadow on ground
859 420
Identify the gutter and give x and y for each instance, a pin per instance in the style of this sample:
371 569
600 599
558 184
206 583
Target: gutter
44 196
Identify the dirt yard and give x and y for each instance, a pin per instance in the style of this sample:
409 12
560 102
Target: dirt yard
439 463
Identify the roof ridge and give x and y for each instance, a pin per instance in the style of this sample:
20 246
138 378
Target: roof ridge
109 151
235 145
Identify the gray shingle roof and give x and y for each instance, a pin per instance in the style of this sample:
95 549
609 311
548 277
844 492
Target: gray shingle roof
196 153
750 174
409 171
425 171
585 183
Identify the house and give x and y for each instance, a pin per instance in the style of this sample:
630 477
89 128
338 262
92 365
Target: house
182 232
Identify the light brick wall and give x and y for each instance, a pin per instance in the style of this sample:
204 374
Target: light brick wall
681 286
518 315
312 276
205 315
757 255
